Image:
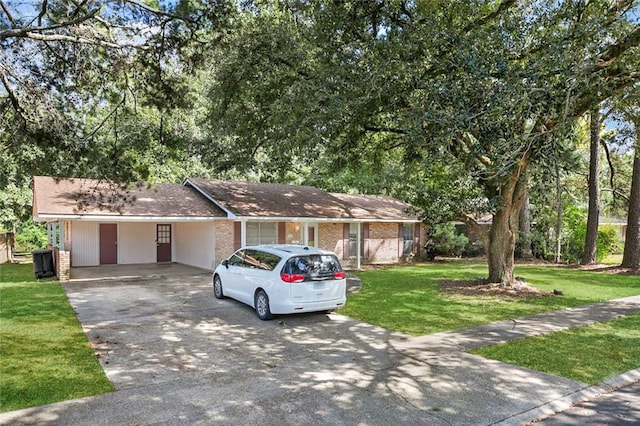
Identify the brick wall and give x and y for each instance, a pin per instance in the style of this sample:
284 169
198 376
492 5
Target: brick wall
293 233
383 240
330 237
224 240
63 264
383 243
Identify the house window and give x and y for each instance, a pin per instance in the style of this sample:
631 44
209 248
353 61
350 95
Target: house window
262 233
407 236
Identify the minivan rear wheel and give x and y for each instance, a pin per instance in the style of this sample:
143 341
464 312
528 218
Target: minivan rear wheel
262 306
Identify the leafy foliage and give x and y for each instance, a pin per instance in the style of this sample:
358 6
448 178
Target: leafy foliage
449 106
31 236
477 92
575 230
446 241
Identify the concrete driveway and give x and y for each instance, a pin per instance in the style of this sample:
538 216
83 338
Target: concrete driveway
177 355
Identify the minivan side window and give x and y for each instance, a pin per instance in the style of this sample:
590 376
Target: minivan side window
260 260
236 258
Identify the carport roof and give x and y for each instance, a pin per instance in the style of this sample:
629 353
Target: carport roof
76 198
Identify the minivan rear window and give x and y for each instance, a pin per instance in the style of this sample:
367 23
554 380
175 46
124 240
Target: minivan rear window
313 266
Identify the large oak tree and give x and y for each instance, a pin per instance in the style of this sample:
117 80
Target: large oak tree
483 85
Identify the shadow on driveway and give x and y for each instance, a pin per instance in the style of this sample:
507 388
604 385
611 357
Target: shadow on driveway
177 355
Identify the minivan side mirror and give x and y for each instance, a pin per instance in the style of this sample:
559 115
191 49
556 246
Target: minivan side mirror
226 263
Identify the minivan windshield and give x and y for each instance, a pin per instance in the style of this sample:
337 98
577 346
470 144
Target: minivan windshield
313 266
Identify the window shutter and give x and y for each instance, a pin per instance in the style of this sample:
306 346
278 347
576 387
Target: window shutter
365 241
416 239
345 241
237 235
400 240
282 233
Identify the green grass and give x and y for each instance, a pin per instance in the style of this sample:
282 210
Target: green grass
612 259
409 299
44 355
588 354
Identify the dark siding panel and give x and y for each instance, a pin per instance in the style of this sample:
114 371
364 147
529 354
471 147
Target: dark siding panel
365 241
237 235
345 241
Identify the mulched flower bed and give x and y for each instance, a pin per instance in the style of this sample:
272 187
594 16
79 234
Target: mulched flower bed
480 287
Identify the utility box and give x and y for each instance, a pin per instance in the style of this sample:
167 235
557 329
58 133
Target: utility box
43 263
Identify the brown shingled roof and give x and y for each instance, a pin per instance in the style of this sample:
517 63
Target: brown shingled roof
378 207
246 199
89 197
65 197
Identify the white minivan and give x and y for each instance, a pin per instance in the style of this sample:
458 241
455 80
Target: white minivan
282 279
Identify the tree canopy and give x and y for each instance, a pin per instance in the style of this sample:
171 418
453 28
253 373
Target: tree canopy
484 88
449 105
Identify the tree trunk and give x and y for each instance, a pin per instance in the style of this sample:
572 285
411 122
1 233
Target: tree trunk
631 256
559 216
524 225
504 228
591 238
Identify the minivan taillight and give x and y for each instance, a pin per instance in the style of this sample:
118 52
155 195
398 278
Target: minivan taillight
340 275
292 278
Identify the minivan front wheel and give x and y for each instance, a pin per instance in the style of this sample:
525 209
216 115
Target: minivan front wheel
217 287
262 306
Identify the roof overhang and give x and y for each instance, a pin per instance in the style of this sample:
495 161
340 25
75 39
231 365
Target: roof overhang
118 218
324 219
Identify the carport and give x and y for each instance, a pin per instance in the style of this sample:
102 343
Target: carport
134 271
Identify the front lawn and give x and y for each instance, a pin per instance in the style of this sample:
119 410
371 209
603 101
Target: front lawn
44 355
409 299
589 354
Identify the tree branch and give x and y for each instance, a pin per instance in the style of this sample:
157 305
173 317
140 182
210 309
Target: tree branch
82 40
43 12
376 129
612 170
436 70
614 51
156 12
12 96
6 11
27 32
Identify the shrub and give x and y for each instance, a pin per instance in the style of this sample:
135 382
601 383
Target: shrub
446 242
574 231
31 236
542 242
608 242
574 235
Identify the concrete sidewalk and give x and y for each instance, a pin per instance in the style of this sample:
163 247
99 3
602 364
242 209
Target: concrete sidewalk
177 355
503 331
